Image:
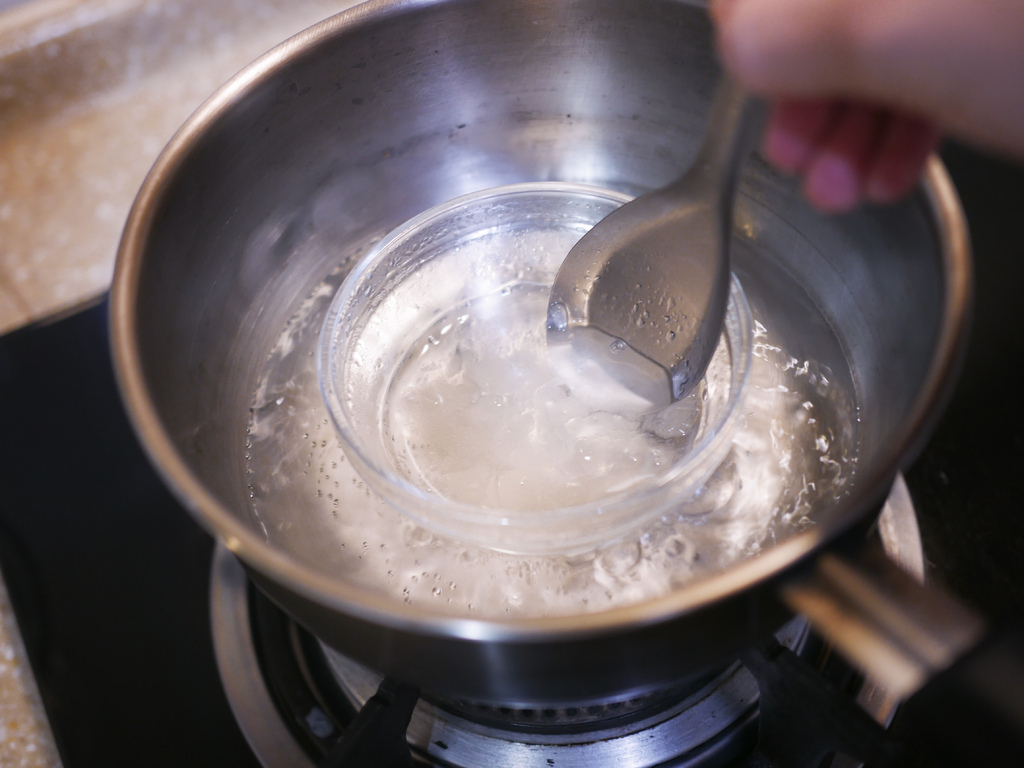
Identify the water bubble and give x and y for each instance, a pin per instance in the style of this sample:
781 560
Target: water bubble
678 546
415 536
558 317
617 346
620 558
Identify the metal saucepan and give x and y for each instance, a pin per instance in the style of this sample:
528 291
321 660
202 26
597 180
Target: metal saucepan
347 130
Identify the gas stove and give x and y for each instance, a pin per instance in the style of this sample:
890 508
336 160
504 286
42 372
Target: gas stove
300 703
114 585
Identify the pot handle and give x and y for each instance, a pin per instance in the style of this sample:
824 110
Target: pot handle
964 686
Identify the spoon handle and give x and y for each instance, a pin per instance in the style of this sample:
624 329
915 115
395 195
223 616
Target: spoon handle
732 133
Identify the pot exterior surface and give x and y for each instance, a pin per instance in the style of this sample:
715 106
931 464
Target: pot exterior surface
311 155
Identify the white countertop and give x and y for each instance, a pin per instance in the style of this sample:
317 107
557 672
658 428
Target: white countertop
90 91
25 738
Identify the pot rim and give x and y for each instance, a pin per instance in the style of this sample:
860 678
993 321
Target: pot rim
368 605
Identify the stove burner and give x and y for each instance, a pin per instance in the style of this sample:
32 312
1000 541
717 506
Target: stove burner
569 719
295 698
705 725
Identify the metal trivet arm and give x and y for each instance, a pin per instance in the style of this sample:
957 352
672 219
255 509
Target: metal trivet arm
805 719
376 738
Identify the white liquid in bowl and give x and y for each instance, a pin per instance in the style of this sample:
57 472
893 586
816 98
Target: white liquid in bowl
480 410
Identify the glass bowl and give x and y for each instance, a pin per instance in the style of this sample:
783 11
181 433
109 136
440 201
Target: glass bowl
434 366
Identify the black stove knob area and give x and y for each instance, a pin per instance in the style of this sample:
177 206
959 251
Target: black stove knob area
107 574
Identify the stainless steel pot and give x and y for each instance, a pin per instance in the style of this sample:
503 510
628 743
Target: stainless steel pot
350 128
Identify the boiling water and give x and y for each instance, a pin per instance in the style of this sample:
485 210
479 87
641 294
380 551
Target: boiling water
793 453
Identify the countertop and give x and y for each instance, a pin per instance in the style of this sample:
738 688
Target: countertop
90 92
25 737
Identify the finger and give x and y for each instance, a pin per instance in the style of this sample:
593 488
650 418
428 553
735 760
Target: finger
900 159
958 62
794 130
836 175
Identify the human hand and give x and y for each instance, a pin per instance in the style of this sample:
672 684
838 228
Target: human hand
862 88
847 152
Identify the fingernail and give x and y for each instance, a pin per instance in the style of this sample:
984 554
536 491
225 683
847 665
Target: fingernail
786 150
832 185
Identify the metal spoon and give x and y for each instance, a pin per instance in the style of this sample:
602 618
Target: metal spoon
655 272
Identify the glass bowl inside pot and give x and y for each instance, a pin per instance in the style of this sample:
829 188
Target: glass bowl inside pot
434 365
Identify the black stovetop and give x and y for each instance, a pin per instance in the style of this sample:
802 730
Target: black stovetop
109 577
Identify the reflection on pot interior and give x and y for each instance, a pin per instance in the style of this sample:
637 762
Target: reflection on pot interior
473 409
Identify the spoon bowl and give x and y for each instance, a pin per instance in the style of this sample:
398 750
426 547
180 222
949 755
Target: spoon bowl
655 272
